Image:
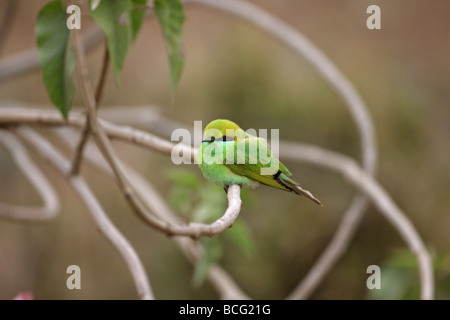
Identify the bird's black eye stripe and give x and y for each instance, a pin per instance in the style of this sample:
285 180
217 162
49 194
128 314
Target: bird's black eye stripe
276 175
226 138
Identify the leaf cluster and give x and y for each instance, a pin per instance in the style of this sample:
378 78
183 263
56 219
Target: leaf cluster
121 21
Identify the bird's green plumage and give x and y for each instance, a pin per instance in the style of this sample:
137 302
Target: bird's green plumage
228 155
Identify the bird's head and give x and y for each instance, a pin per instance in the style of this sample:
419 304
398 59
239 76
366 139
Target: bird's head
222 130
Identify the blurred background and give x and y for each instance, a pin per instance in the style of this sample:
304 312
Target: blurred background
235 71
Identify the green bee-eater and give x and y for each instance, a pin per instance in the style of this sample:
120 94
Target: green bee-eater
229 155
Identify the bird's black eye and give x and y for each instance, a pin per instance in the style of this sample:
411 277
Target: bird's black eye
213 139
226 138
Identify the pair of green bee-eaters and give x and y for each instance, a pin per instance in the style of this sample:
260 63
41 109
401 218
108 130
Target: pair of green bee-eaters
248 162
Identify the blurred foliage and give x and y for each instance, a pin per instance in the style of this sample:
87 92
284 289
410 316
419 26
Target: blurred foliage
400 281
204 202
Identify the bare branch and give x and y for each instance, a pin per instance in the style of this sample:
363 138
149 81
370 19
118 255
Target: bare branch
218 277
76 160
22 115
48 153
37 179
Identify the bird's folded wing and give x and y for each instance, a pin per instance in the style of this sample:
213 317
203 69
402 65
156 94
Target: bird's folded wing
251 156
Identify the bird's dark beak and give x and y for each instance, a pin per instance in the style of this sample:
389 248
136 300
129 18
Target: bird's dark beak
207 139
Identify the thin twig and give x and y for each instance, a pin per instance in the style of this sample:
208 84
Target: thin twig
102 80
48 153
37 179
76 161
78 153
22 115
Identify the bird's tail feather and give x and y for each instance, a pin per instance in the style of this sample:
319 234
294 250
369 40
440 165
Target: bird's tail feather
292 185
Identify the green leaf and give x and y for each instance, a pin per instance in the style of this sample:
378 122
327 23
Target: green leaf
112 16
56 56
137 17
171 18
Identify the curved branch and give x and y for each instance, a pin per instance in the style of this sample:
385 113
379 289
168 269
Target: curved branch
37 179
219 278
50 117
379 197
47 152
